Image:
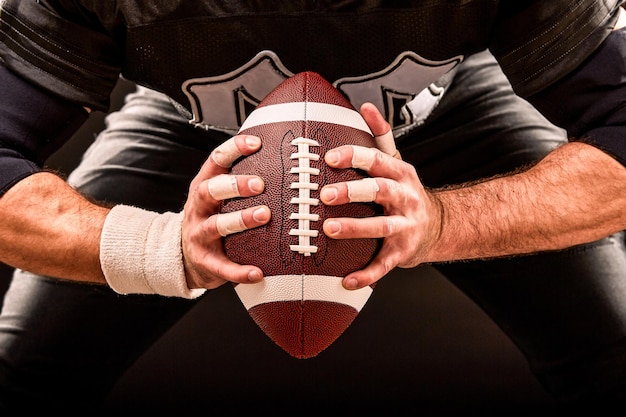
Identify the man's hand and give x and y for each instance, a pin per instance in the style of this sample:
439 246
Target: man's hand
576 194
411 218
206 264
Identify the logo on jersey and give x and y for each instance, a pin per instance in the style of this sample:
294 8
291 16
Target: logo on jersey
223 102
404 92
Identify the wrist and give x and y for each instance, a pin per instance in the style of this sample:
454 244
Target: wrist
141 253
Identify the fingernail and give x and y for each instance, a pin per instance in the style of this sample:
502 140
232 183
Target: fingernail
333 227
328 194
255 185
254 275
260 215
351 283
252 141
332 157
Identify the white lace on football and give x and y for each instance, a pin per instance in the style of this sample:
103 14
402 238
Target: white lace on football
304 199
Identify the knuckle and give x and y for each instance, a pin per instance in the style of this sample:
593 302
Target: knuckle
223 186
387 266
229 223
379 157
388 226
226 153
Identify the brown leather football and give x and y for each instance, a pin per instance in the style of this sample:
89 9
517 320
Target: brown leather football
301 304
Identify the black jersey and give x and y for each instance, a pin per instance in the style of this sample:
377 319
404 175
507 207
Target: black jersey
219 58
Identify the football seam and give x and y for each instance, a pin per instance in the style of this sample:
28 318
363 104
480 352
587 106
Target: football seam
304 200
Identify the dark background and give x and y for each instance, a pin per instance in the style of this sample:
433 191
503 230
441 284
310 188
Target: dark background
419 343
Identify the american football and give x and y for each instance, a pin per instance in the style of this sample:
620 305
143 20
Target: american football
301 304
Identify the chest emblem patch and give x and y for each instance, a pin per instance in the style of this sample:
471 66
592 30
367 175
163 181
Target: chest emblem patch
405 91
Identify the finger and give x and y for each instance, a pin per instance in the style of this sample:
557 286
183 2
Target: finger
238 221
353 156
223 157
384 262
206 263
374 119
229 223
361 191
387 144
378 190
226 186
242 274
366 276
223 187
214 268
381 129
229 151
372 160
356 228
364 158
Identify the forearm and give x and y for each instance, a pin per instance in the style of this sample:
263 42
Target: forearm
48 228
576 194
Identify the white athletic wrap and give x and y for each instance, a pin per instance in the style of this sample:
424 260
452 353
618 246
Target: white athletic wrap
225 154
362 191
363 158
141 253
316 112
223 186
386 143
301 288
229 223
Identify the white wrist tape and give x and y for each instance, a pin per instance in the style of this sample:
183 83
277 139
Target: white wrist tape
141 253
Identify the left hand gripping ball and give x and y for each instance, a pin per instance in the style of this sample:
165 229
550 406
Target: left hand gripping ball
301 304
